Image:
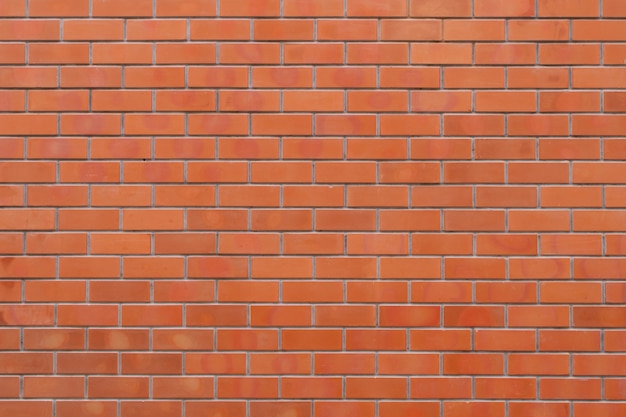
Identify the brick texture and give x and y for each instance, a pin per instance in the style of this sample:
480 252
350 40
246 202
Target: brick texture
312 208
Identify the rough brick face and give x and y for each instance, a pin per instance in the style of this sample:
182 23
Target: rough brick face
312 208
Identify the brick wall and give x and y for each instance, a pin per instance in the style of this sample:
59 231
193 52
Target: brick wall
312 208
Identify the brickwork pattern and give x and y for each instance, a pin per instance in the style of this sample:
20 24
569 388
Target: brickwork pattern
312 208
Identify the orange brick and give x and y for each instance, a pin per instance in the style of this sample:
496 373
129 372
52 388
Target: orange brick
568 8
538 30
347 29
493 8
433 8
39 8
477 30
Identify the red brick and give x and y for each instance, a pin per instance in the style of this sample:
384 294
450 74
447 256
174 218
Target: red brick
462 408
409 316
347 29
246 100
561 388
113 291
215 363
273 267
570 54
361 316
13 8
38 407
252 53
30 30
10 386
538 316
224 408
252 339
27 315
443 292
504 340
152 315
312 291
476 77
93 29
478 30
11 243
562 149
413 268
222 76
157 30
115 8
281 77
408 364
74 53
55 291
538 30
380 387
410 30
313 339
441 53
377 101
440 387
583 408
263 408
118 339
576 340
59 148
87 363
473 316
212 29
613 8
497 101
493 8
548 268
556 409
538 77
118 387
244 291
28 124
312 387
418 220
59 195
507 196
568 8
506 388
82 267
87 315
433 8
448 101
277 30
377 244
13 100
47 8
218 267
372 339
13 53
506 292
379 292
345 77
504 54
473 363
186 291
382 54
284 316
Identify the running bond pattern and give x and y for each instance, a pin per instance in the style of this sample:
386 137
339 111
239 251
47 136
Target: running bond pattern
312 208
